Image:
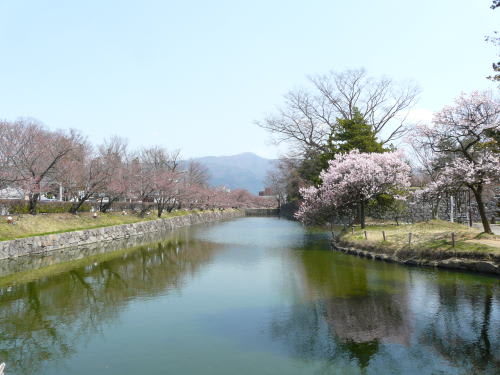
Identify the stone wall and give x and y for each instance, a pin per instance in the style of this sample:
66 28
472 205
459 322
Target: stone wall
262 212
421 210
475 262
51 242
289 209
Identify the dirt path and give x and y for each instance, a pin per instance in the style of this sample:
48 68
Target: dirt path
493 243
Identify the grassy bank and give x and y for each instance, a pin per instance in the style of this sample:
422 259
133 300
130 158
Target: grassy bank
28 225
428 238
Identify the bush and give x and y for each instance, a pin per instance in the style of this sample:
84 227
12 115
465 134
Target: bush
127 206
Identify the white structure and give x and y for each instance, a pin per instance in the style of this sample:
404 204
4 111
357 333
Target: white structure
12 193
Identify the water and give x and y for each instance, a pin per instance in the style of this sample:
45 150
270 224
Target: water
249 296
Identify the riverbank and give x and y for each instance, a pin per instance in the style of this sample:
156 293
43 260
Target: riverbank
47 243
425 244
26 225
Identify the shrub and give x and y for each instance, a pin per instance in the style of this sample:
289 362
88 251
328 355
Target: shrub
19 206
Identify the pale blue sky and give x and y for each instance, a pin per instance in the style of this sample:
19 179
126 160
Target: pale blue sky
195 75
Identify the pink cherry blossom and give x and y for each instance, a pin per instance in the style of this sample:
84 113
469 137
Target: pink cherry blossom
352 179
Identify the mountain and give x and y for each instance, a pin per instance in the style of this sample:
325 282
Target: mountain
246 171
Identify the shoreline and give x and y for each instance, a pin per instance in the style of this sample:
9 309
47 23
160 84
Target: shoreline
415 257
43 244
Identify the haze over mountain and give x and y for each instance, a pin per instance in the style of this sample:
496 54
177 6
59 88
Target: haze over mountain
247 170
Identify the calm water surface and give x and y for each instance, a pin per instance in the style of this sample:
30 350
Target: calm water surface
249 296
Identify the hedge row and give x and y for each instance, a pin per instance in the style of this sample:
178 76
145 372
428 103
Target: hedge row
19 206
121 206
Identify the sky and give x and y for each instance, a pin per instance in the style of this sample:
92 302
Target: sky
196 75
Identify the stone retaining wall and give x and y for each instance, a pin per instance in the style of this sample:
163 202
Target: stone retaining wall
262 212
490 264
51 242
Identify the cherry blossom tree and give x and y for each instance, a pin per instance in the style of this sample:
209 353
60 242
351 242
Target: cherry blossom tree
193 196
87 172
38 154
9 149
157 178
353 179
277 182
168 190
465 136
115 154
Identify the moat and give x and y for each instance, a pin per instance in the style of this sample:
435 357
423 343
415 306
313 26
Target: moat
256 295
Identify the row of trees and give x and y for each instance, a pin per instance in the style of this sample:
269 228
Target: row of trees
36 160
342 158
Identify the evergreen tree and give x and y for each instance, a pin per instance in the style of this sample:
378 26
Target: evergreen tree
355 133
350 134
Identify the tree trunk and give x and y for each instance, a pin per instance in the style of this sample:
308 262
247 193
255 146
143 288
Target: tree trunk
33 202
357 214
75 207
435 209
142 213
478 194
106 206
160 209
362 221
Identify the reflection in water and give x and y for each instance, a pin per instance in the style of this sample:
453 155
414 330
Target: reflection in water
358 307
42 319
463 331
276 300
352 308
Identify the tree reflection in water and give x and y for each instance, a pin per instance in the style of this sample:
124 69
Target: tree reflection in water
44 319
348 309
463 332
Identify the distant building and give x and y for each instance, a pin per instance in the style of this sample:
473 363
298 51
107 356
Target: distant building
12 193
268 192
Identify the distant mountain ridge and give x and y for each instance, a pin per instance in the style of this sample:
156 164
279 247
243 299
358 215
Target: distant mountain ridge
245 171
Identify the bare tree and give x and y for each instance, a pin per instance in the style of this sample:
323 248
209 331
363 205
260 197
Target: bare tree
197 173
495 40
308 118
277 181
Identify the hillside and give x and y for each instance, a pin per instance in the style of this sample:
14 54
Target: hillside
246 170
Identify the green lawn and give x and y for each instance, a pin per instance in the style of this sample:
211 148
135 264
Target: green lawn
435 235
27 225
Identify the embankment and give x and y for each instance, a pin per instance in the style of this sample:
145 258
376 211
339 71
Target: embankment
464 261
44 244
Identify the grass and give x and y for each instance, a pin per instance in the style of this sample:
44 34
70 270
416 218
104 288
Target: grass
43 224
432 236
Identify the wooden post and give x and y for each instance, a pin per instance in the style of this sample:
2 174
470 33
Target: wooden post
452 207
409 238
453 239
383 234
366 235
